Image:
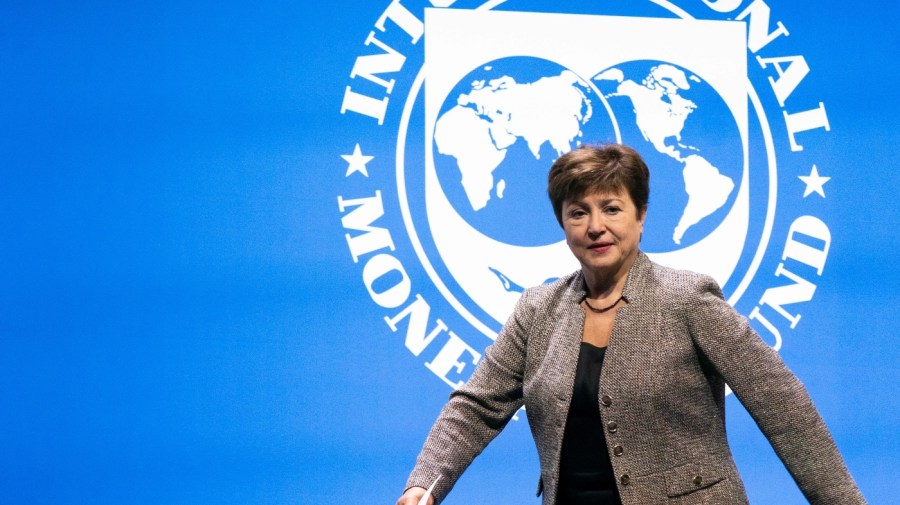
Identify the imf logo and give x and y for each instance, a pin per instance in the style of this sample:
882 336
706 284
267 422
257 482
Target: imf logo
478 211
499 95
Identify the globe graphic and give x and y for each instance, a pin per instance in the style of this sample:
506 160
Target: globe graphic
496 135
690 140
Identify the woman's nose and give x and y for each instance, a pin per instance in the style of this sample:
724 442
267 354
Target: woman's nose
596 226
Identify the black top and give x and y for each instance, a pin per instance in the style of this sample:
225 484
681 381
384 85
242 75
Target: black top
585 473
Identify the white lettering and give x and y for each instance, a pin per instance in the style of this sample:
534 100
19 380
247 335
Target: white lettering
449 359
800 291
369 209
811 227
369 65
757 315
803 121
364 104
403 18
417 311
758 35
376 268
789 77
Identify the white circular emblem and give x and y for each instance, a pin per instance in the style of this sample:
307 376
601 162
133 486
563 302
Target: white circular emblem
493 105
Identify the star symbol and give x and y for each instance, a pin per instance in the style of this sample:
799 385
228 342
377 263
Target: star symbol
357 162
814 182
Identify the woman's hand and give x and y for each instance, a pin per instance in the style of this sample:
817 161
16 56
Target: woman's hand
413 495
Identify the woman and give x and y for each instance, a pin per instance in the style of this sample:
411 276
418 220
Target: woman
622 369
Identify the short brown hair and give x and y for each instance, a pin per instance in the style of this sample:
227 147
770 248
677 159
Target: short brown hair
608 167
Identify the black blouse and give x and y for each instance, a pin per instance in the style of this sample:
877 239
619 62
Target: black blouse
585 472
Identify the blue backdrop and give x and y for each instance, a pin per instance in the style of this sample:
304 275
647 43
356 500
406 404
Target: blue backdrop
182 317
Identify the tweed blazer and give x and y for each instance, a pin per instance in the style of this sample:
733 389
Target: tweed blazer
674 346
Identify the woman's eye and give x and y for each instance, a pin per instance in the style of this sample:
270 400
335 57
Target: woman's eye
613 210
576 213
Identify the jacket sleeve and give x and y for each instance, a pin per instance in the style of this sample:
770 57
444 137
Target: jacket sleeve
774 397
479 410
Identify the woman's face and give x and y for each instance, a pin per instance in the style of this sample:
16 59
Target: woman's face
603 230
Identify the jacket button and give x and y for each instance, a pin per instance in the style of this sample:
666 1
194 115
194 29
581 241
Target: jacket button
606 400
625 479
698 480
612 426
618 450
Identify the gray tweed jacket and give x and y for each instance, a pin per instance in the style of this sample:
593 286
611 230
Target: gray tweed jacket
673 347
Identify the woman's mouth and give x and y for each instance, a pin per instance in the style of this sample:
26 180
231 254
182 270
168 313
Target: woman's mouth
600 247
